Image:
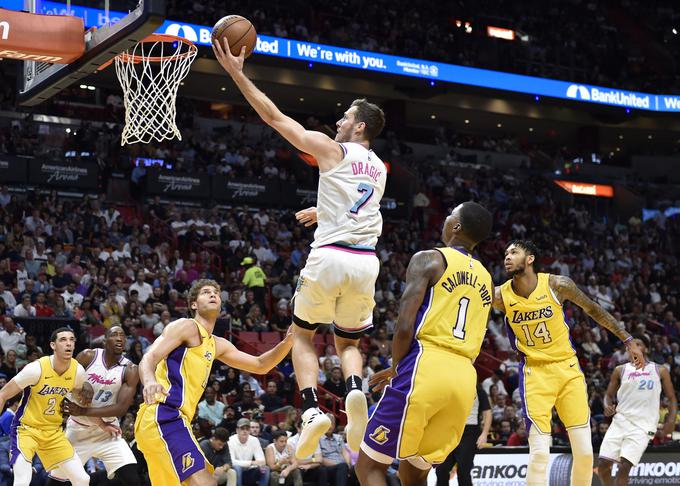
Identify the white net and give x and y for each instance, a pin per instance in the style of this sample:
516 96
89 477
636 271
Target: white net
150 74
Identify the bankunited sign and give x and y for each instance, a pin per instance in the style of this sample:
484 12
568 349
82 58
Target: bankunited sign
401 66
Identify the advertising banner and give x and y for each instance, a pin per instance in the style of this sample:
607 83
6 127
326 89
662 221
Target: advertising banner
177 184
586 188
655 468
245 191
71 175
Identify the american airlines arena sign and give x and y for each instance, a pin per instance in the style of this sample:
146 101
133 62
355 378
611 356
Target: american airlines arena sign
312 52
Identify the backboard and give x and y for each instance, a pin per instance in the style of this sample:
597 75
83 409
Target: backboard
111 26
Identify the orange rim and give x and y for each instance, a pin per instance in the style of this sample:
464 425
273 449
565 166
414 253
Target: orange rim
125 57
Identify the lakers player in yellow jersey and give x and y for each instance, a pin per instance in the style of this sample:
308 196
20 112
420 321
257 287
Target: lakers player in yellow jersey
174 373
550 375
443 315
36 428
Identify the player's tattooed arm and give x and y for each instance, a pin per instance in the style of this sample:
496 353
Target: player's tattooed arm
669 391
614 383
498 300
424 269
566 289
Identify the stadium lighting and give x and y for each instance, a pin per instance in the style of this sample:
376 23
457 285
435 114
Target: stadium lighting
675 31
649 137
433 116
620 137
500 125
531 129
467 122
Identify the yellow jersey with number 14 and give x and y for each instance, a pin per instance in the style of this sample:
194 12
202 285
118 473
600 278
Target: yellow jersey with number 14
537 327
40 405
455 310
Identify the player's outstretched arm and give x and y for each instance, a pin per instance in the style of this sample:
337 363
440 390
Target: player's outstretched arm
229 354
612 389
669 391
174 335
326 151
566 289
424 269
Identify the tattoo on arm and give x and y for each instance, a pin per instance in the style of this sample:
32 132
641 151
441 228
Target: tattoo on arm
566 289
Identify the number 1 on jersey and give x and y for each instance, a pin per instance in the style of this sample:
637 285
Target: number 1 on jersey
367 192
459 328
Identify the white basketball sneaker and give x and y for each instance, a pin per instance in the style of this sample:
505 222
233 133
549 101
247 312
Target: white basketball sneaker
314 425
357 418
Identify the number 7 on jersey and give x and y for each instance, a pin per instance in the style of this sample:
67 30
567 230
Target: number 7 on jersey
367 192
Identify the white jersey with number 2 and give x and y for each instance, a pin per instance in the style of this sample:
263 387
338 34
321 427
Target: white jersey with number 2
348 204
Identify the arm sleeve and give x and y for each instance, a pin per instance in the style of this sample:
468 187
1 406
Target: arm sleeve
29 375
81 377
483 399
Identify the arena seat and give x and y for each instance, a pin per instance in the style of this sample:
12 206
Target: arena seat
249 337
270 337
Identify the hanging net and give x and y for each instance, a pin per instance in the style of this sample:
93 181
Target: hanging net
150 74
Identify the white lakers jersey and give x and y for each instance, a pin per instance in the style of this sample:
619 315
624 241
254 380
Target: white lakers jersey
106 383
639 395
348 201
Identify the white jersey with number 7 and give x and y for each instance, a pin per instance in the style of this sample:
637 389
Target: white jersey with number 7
348 204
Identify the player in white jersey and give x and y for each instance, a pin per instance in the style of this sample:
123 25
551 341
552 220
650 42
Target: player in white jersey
114 379
636 415
337 284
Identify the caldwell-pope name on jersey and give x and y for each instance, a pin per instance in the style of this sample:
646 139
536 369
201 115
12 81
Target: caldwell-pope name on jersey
53 390
470 279
519 316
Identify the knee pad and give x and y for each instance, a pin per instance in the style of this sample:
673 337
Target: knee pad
539 455
128 475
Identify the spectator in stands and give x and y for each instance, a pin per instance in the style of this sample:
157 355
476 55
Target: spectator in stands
9 364
41 307
136 352
280 458
504 432
254 278
72 298
255 321
270 399
495 379
210 410
331 356
247 457
144 289
7 296
149 318
256 431
11 335
281 319
217 453
60 309
246 377
335 385
311 467
229 419
335 455
25 309
8 416
520 436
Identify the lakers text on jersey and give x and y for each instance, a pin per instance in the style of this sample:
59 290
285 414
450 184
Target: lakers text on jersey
414 419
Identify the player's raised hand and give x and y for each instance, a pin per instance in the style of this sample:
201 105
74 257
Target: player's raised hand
635 353
306 216
152 392
227 60
381 379
609 410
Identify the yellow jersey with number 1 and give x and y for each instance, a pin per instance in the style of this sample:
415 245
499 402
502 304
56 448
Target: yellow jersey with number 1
537 327
455 310
40 405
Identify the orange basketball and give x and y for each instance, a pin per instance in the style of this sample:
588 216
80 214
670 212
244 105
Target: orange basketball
238 31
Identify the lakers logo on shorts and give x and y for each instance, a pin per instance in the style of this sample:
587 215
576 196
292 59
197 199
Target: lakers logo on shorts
379 435
187 461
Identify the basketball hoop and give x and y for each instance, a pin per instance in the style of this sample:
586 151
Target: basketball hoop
150 73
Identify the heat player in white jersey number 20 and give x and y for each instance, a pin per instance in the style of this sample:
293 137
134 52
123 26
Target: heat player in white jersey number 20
337 284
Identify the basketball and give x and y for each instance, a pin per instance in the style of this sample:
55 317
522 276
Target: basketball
238 31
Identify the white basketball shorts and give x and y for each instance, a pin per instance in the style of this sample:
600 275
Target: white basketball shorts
337 286
624 440
92 441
